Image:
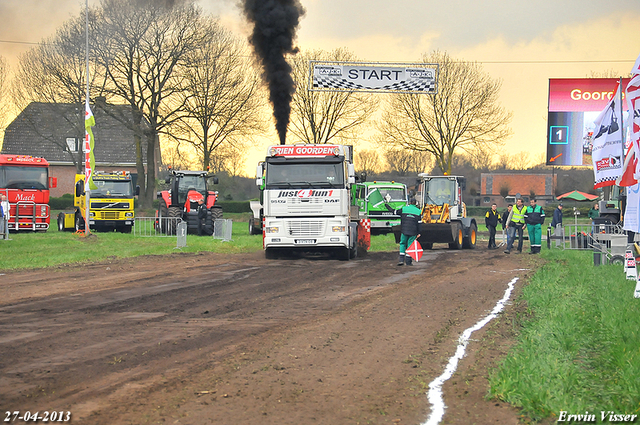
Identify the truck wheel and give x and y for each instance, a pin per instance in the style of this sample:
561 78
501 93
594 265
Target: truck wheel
79 223
470 241
60 222
458 236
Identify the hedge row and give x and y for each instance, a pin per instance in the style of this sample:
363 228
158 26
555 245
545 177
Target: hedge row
548 210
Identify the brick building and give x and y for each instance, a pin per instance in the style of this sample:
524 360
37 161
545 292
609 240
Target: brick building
55 131
493 185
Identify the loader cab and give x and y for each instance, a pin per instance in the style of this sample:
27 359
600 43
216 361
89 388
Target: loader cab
440 190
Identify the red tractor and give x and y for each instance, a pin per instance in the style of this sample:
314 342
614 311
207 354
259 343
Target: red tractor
181 201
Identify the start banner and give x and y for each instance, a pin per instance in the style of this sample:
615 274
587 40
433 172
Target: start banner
381 78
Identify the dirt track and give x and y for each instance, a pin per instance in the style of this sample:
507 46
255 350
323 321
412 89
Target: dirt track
215 339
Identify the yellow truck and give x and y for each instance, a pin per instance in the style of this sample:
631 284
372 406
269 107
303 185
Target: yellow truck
111 204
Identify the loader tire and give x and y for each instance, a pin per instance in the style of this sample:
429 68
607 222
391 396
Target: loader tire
458 236
470 241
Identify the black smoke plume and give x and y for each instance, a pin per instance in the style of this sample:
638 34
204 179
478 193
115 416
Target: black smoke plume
275 24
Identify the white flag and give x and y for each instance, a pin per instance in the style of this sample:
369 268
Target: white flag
607 143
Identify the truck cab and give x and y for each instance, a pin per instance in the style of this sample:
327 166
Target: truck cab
382 220
306 200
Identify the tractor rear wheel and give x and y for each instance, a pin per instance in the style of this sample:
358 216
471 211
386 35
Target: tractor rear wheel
216 213
163 213
173 213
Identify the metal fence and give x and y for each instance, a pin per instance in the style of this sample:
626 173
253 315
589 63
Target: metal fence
222 229
156 226
604 239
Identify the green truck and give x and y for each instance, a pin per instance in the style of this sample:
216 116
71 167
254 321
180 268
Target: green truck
370 208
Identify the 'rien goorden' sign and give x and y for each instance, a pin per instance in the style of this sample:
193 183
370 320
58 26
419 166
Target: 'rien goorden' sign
574 103
353 76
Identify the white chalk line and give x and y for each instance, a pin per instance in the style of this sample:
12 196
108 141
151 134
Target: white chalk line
435 387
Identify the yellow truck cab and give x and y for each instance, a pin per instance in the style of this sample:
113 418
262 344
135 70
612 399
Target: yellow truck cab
111 204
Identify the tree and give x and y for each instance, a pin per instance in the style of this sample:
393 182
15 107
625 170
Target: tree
325 117
221 99
54 72
4 98
143 44
404 161
367 161
463 115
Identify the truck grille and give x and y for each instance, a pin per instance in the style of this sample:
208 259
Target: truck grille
110 205
107 215
305 228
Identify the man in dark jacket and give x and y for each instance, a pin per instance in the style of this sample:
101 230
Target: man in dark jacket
409 227
534 217
202 218
557 216
491 219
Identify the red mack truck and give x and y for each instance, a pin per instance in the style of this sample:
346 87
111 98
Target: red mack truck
25 181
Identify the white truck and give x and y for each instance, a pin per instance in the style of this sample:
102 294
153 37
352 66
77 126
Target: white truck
306 204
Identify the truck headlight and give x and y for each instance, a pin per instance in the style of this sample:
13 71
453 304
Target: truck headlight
338 229
129 214
271 229
43 210
92 214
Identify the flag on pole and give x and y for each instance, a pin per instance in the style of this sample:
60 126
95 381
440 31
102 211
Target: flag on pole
607 150
89 160
415 250
631 175
375 198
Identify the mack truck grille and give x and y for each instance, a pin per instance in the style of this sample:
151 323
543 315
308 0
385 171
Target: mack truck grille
305 228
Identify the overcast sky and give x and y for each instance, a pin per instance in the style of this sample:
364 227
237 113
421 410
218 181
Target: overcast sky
560 36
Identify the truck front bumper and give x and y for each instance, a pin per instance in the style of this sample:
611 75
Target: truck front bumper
306 233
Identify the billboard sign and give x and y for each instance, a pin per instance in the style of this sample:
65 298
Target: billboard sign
381 78
574 104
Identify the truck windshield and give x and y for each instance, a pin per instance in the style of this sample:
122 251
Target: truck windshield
304 175
112 189
24 177
440 191
395 193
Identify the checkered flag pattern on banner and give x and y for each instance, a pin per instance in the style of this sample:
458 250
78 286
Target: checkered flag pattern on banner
327 82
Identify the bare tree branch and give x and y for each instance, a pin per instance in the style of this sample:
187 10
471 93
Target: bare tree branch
463 115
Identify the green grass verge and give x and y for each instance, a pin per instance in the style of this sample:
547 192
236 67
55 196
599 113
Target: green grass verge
579 347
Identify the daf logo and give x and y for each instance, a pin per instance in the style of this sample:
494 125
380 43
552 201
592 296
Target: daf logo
331 200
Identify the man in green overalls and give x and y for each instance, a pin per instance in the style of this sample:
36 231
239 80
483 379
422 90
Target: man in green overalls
534 217
409 228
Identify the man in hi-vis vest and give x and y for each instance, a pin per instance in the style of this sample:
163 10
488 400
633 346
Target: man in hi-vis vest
516 224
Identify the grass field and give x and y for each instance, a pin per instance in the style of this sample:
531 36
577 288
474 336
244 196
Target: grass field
579 345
